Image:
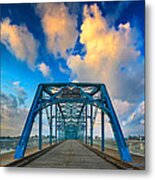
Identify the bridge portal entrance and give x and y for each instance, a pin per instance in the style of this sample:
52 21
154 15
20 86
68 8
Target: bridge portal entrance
70 107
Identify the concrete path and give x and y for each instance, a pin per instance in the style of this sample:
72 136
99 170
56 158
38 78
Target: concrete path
71 154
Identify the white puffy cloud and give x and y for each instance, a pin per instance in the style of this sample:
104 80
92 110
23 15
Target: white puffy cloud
97 126
123 107
131 119
136 115
12 116
112 56
20 91
44 69
19 41
59 27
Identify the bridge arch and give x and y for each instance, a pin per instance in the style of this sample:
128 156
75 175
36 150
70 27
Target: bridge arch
84 94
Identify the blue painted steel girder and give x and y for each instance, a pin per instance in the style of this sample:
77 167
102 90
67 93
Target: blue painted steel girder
56 111
20 150
91 125
123 149
40 130
86 124
51 122
102 131
104 103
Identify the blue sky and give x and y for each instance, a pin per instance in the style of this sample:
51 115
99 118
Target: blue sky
63 42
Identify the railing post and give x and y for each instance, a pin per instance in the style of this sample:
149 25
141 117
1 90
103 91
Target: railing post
91 125
102 130
86 125
51 123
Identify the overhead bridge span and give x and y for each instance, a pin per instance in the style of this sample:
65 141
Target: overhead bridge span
70 108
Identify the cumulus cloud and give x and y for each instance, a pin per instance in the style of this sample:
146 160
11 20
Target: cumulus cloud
44 69
12 117
136 115
123 107
21 93
59 27
97 126
112 56
19 41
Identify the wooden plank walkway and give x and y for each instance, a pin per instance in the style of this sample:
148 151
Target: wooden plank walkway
71 154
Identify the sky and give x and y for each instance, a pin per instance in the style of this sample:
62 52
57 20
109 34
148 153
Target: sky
64 42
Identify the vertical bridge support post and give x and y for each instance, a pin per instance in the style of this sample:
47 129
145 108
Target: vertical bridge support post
56 123
40 125
86 125
40 129
82 127
102 130
91 125
122 147
51 123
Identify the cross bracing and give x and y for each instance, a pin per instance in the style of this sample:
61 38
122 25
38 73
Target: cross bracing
71 106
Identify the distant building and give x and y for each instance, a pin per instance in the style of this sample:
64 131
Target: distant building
139 138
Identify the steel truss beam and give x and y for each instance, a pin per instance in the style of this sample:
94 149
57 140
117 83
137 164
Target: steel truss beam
70 108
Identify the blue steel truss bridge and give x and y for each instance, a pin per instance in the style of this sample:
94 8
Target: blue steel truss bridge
70 107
